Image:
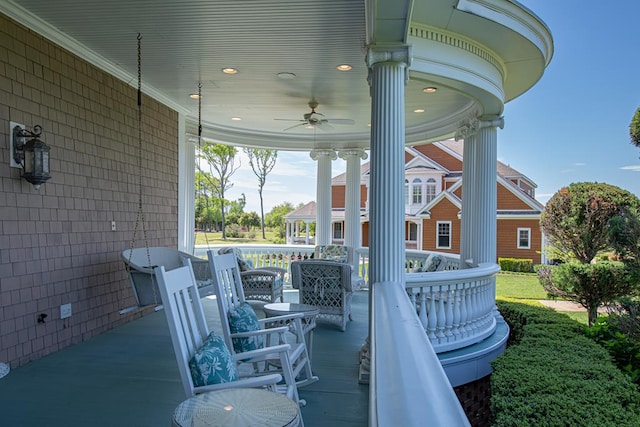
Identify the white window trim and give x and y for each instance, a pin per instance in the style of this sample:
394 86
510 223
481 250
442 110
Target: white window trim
518 245
438 234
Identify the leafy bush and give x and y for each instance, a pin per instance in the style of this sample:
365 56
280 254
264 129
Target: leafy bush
552 375
624 350
517 265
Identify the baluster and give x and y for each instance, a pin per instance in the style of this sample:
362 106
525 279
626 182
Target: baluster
456 311
473 315
431 315
449 316
464 310
422 314
441 316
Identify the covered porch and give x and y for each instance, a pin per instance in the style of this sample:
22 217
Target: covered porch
128 376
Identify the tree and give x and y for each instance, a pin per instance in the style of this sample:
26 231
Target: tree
576 219
581 221
590 285
275 218
221 159
262 162
634 129
249 220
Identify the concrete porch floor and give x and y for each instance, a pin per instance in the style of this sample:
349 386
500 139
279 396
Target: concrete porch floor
128 377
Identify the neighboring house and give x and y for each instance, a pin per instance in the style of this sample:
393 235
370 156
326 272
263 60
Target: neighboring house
433 204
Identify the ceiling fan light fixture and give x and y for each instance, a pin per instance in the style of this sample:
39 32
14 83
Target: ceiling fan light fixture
430 89
418 110
286 76
344 67
230 70
194 96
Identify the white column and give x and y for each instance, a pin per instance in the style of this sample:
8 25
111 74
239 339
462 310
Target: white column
307 229
388 75
485 200
468 192
323 195
186 186
352 226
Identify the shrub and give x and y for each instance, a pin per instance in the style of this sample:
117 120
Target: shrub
552 375
517 265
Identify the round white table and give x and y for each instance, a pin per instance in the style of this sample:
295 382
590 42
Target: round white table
309 312
237 407
4 370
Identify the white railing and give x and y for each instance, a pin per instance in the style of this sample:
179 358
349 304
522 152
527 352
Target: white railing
408 386
455 308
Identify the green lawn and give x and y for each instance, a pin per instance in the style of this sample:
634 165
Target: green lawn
203 238
519 286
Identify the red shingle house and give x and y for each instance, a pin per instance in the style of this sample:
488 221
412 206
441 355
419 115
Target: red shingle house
433 203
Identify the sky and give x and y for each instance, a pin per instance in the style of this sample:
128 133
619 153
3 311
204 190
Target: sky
572 126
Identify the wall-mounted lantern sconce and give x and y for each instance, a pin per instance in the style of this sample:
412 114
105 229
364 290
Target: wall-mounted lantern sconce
32 155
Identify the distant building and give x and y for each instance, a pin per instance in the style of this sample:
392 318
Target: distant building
433 203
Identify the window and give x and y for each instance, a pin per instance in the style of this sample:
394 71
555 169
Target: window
443 235
431 190
337 231
524 238
413 232
417 191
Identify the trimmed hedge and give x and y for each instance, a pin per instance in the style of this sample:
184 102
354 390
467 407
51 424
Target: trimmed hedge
517 265
553 375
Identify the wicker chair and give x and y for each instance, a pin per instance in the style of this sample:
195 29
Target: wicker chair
140 264
326 285
261 284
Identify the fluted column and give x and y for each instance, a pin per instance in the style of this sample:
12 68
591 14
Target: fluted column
485 200
323 195
387 78
352 226
469 162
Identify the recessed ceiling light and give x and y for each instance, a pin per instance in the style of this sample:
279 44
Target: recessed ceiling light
286 76
344 67
430 89
419 110
230 70
236 118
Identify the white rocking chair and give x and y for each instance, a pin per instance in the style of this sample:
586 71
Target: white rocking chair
230 298
189 331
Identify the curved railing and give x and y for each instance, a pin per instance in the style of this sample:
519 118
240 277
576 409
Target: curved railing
455 308
408 385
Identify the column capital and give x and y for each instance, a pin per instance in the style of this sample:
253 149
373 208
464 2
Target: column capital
471 125
389 52
352 152
316 154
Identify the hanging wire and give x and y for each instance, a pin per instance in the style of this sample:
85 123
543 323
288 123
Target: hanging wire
140 216
206 238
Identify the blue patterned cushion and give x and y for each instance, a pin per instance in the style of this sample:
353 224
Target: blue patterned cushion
244 319
212 363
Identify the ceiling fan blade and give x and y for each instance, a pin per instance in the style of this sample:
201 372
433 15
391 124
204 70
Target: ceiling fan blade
324 126
291 120
341 121
295 126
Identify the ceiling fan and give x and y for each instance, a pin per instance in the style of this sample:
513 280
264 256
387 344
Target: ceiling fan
314 119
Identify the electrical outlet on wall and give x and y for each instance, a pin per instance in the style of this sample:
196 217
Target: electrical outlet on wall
65 311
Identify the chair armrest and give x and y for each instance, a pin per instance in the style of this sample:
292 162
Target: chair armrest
279 270
269 331
259 274
261 381
261 352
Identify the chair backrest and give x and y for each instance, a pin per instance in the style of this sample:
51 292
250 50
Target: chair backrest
321 280
227 285
338 253
183 309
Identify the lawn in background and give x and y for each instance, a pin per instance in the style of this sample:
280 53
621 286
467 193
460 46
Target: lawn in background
519 286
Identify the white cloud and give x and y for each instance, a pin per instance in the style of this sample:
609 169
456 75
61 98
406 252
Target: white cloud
579 164
634 168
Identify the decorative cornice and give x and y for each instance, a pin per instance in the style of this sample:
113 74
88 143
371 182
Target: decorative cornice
398 53
459 42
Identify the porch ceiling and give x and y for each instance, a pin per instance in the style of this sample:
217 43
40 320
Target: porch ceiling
185 42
